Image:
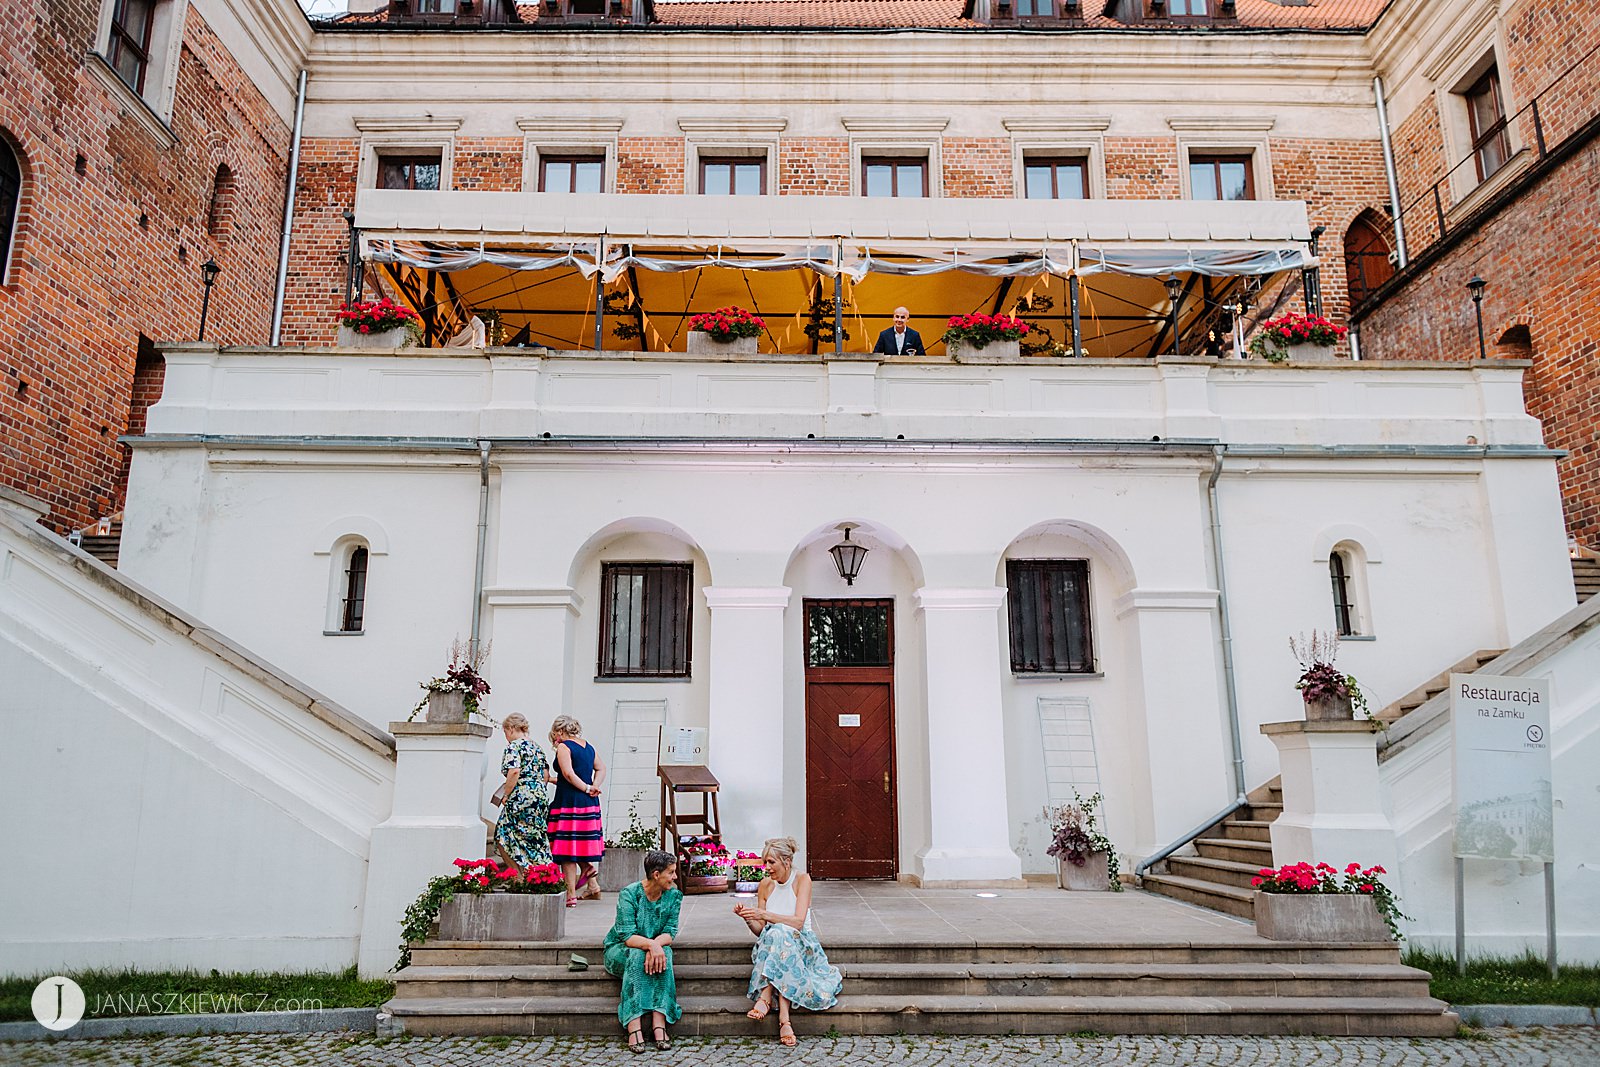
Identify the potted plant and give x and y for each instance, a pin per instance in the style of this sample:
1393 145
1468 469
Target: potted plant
459 693
1302 902
487 901
748 870
623 863
984 338
378 324
704 864
1330 695
1085 857
1297 337
729 331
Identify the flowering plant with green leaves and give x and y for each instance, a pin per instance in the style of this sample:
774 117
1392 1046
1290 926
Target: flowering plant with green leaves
378 316
979 330
728 324
1324 878
1273 337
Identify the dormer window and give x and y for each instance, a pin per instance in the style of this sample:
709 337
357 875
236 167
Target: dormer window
1188 9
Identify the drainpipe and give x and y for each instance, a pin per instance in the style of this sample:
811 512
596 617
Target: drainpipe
483 543
1388 169
288 212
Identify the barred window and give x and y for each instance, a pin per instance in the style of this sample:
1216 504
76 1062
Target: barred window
645 620
1048 601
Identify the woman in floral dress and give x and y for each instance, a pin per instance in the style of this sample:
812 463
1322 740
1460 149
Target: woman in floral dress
519 833
789 963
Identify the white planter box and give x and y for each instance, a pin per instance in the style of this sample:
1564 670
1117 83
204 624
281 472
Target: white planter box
504 917
447 707
1309 353
350 337
1093 877
1342 917
993 352
701 343
1329 709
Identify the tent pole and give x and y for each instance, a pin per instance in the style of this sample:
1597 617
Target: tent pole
838 323
599 311
1077 324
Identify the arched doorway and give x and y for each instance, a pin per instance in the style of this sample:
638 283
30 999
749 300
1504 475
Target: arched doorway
1366 257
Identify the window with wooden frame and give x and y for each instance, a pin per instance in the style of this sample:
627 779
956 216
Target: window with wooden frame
1048 603
10 203
1345 618
353 605
414 170
1486 121
903 176
733 175
1055 178
1188 9
128 49
572 174
1024 9
645 616
1221 176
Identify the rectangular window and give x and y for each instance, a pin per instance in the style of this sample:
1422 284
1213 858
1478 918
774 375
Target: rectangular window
1055 179
353 613
1035 8
1187 9
1221 177
1048 602
129 47
1486 113
881 176
435 7
644 619
738 176
849 633
572 174
409 171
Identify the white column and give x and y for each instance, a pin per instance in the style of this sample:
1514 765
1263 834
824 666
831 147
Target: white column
746 710
970 827
434 821
1332 802
532 632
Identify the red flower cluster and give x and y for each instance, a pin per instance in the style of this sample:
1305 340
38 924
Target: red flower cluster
1321 878
490 875
978 330
1295 329
729 323
376 316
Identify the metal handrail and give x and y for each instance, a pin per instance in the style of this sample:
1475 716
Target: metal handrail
1238 802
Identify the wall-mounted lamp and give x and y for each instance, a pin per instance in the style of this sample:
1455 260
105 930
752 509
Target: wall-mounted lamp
208 277
1174 286
1476 286
847 555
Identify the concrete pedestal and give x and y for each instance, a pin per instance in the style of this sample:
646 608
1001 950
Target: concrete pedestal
1332 805
433 822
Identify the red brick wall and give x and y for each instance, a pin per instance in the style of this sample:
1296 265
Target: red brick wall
1337 180
491 164
1419 163
1142 168
319 239
814 166
977 166
650 164
111 253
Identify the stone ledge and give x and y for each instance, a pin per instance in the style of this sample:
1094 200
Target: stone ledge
1336 726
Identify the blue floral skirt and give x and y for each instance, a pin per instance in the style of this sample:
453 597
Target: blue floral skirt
792 961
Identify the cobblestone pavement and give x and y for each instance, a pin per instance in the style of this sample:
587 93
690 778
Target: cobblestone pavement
1577 1046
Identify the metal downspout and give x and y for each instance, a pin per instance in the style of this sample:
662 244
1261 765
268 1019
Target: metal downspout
1229 684
483 542
288 212
1388 169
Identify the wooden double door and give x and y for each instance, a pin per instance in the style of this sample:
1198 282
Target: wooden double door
851 830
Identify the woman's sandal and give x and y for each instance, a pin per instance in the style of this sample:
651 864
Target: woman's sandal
636 1046
786 1035
663 1042
572 902
759 1012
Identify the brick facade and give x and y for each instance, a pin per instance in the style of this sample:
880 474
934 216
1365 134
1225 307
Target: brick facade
977 166
1142 168
487 164
814 166
1338 180
319 239
650 165
110 248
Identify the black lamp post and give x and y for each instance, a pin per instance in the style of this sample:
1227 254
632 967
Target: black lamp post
847 556
208 277
1476 285
1174 286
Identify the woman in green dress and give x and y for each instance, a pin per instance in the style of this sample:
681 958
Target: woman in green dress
639 951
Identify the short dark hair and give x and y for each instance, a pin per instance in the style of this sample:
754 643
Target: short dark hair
656 861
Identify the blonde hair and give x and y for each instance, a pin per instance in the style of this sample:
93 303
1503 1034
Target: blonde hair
566 726
782 847
516 721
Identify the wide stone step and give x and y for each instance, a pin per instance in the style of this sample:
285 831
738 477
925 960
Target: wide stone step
1257 854
1222 872
1223 898
890 1014
980 980
1247 830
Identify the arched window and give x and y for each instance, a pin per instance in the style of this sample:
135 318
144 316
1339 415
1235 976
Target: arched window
353 608
10 204
1344 609
1366 258
219 216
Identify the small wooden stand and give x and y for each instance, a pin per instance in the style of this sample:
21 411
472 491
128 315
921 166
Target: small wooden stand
684 778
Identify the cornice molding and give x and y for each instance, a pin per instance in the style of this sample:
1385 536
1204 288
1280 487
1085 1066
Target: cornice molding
703 126
1222 123
892 125
1063 124
592 125
407 124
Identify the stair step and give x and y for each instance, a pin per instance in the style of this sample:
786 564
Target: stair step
1247 829
869 1014
1224 898
1256 853
1222 872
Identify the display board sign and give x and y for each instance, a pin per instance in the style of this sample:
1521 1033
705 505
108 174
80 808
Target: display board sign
682 746
1502 767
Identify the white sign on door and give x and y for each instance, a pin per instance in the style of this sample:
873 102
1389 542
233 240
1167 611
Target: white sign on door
1502 767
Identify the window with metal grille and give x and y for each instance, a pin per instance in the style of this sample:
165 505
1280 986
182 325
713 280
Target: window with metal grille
849 633
1344 614
10 203
645 620
353 611
1055 179
128 49
889 176
1048 601
1221 177
572 174
1486 113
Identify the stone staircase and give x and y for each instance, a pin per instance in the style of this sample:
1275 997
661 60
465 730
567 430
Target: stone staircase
102 540
1247 986
1586 577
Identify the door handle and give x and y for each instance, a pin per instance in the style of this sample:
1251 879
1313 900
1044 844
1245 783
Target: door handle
885 783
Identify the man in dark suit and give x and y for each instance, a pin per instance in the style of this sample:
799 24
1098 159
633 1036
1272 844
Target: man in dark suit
900 339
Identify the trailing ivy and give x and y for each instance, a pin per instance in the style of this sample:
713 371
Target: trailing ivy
423 912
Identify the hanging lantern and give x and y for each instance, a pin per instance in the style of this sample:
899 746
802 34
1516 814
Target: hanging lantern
847 556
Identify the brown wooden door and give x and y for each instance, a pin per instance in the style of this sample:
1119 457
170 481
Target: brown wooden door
850 781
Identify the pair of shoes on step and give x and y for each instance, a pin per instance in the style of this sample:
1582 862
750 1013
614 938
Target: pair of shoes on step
785 1031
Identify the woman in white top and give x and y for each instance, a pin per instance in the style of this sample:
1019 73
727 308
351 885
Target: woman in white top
789 963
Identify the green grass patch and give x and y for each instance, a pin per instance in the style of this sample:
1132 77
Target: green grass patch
121 993
1498 980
